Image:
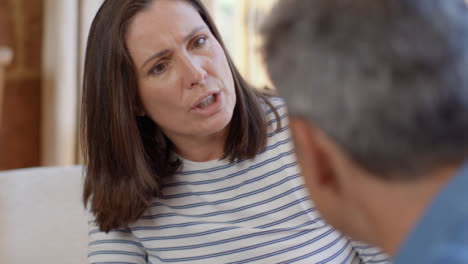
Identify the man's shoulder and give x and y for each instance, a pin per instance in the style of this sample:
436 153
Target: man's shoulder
454 250
442 234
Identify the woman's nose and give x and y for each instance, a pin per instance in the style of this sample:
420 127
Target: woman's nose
196 75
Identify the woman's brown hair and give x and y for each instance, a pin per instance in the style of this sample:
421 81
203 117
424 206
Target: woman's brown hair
127 156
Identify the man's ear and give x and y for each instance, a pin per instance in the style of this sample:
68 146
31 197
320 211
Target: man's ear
314 158
329 176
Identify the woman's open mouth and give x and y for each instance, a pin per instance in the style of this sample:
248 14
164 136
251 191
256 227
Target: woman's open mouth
209 104
207 101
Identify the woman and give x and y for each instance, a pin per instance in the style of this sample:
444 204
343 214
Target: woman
185 162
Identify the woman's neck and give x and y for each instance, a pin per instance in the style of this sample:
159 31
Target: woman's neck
201 149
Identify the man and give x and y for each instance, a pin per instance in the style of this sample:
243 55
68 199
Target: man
377 92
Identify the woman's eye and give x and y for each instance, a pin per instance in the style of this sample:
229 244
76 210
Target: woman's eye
199 42
158 68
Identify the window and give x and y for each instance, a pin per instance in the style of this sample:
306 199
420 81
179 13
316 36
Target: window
239 22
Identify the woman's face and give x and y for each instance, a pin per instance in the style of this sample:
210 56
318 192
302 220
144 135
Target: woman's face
184 80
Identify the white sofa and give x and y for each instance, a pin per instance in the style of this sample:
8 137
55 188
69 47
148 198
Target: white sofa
42 219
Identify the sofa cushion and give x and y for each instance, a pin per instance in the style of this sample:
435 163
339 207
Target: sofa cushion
42 219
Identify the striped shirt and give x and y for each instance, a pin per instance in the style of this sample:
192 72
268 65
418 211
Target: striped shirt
249 211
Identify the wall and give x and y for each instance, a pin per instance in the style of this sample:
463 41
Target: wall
21 29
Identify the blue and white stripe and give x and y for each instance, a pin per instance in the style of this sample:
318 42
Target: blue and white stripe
249 211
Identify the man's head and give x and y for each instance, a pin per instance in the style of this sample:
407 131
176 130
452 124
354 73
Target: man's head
377 92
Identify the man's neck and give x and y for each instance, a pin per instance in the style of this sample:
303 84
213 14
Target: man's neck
401 205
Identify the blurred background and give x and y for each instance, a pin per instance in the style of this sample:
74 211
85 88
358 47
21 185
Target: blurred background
42 43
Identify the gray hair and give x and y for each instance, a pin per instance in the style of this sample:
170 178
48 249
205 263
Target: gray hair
386 79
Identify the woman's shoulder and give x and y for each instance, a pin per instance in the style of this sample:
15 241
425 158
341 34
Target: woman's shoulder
278 105
276 101
275 114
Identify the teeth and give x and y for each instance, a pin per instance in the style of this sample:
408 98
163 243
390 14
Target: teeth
206 102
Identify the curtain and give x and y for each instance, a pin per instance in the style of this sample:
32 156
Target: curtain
59 87
66 23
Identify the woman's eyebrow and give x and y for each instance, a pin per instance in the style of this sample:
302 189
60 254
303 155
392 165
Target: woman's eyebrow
154 56
193 32
166 51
